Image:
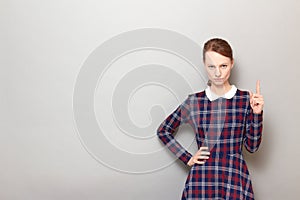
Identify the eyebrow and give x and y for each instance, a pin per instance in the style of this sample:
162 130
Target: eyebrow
219 65
224 64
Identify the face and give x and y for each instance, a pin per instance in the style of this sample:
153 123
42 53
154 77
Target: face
218 68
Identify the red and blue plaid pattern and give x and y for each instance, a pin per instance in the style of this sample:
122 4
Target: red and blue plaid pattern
225 174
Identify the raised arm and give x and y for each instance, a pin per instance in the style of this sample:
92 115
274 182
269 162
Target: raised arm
253 133
254 120
166 130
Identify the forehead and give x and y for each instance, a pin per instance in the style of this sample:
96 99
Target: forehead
212 57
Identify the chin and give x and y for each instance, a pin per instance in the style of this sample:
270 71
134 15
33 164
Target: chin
218 83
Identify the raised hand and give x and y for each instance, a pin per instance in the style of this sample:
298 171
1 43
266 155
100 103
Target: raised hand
257 100
202 154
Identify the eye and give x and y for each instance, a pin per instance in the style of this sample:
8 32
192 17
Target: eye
211 66
224 66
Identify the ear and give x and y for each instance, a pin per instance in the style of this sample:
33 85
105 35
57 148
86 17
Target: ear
232 63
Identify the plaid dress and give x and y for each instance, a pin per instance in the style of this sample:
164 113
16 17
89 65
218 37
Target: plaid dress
225 129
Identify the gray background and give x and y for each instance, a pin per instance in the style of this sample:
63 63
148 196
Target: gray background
43 47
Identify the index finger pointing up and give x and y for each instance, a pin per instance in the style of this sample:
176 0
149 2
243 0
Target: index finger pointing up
257 87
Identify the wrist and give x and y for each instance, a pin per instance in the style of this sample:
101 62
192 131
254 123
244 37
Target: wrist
190 163
258 113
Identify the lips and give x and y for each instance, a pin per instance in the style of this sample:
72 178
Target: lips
218 79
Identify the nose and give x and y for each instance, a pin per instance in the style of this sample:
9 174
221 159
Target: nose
217 72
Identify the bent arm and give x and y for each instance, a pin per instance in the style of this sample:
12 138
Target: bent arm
167 128
253 133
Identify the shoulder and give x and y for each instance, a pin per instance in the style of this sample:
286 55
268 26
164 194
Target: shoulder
198 94
196 98
242 93
243 97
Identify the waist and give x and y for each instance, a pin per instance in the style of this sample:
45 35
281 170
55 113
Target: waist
221 154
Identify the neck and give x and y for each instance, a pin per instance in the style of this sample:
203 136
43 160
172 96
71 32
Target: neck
220 89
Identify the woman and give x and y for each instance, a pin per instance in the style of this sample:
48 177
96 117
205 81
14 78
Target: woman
224 120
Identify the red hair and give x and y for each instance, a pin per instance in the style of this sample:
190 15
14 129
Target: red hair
218 45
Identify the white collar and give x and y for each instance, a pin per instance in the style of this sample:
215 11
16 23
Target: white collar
228 95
